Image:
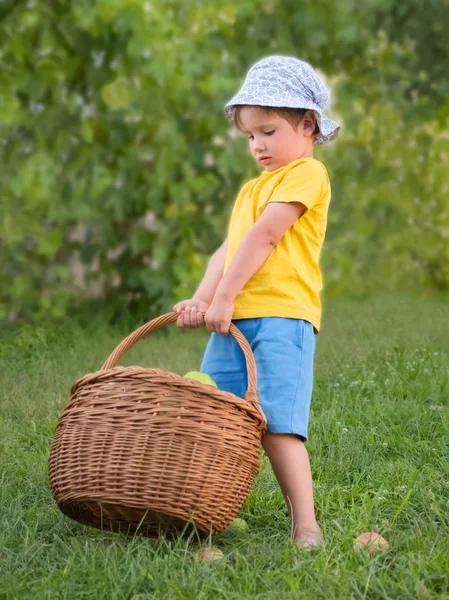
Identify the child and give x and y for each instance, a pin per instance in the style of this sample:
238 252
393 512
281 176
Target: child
265 277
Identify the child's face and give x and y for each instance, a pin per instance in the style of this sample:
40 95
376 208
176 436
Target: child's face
273 141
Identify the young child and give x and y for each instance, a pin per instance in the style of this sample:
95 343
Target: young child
266 276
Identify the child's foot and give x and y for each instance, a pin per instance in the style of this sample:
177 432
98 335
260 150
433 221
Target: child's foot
308 539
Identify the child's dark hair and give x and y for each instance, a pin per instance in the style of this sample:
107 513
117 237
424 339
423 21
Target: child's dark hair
293 115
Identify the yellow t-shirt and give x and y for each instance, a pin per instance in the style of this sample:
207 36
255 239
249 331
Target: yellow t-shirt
289 283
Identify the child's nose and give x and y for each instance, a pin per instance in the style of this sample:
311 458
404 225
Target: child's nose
259 144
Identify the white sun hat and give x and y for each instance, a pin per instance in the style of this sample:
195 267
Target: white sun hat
286 82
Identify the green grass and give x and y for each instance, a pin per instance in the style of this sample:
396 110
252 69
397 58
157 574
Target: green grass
379 448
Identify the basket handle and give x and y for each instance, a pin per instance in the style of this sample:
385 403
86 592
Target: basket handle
171 317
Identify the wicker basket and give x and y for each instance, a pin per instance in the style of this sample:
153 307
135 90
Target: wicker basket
147 451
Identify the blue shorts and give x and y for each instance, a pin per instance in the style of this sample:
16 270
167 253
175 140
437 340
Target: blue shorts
283 350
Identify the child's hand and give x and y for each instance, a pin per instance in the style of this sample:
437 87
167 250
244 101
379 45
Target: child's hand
191 313
218 317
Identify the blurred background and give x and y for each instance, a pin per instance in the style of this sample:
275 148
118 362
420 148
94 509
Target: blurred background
118 168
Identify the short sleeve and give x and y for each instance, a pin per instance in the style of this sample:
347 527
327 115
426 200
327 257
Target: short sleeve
306 182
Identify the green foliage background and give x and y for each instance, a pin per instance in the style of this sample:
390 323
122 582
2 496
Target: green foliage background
118 168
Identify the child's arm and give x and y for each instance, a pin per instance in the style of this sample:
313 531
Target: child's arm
254 249
190 311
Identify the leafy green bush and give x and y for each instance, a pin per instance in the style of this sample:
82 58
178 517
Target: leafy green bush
119 169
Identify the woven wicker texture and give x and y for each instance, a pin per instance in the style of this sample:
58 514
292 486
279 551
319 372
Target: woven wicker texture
148 451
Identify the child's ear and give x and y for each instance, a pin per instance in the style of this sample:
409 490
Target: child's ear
309 122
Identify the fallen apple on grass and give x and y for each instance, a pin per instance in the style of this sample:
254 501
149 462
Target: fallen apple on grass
238 525
372 542
206 555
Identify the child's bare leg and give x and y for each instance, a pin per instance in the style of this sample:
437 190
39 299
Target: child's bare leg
291 466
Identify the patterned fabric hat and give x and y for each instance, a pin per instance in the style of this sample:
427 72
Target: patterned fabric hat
286 82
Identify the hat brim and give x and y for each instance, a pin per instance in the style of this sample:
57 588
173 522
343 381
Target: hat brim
329 129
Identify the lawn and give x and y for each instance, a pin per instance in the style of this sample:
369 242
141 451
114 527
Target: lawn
379 448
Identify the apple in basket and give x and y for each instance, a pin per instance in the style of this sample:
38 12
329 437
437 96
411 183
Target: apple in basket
202 377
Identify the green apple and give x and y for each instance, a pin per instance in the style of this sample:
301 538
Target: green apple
203 377
238 525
